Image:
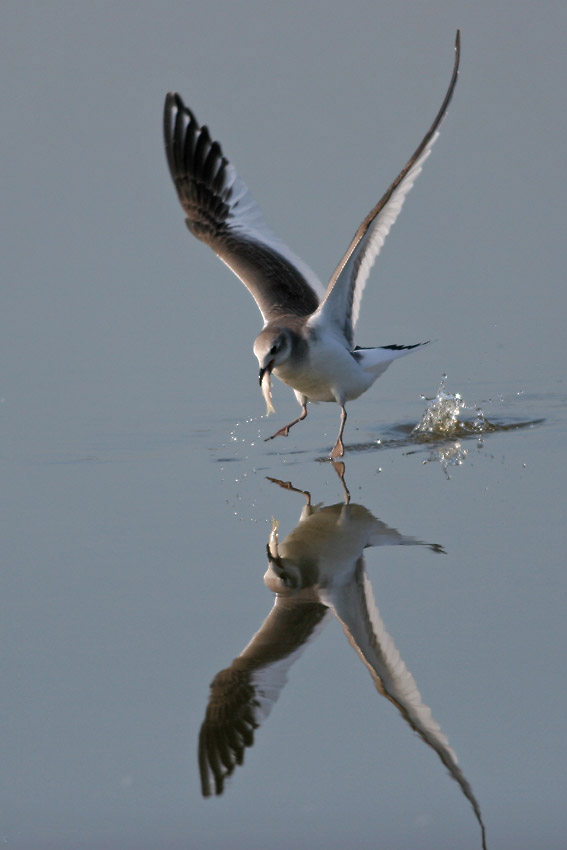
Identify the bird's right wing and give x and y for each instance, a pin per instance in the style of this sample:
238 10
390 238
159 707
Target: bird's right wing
355 608
222 213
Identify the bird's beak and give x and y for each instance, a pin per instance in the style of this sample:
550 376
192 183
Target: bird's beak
265 369
274 559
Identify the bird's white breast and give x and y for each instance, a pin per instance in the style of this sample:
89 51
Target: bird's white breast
328 373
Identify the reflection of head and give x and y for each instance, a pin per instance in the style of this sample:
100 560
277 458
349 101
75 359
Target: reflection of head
285 576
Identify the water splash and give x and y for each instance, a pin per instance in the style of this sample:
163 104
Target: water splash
448 455
446 416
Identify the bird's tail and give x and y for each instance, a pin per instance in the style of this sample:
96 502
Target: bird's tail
377 360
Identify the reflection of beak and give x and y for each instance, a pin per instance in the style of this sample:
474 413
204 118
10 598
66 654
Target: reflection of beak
267 369
274 559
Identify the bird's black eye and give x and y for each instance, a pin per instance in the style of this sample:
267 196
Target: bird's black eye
288 579
273 349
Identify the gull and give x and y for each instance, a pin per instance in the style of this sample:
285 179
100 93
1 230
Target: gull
317 573
307 340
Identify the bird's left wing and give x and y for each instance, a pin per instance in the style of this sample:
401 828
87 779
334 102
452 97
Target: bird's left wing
222 213
341 304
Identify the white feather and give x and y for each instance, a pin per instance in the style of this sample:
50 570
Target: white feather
352 274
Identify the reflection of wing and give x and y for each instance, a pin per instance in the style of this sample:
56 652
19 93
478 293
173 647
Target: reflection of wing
356 609
243 694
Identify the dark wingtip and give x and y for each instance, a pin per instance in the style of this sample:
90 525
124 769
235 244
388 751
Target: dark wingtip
173 101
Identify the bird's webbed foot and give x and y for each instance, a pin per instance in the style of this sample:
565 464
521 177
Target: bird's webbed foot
284 432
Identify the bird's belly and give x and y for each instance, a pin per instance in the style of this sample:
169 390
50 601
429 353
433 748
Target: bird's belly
328 375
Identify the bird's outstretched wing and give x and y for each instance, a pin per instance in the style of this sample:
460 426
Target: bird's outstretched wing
341 304
242 696
222 213
355 608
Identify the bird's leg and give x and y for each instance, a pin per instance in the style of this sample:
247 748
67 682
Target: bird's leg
339 468
287 485
339 449
283 432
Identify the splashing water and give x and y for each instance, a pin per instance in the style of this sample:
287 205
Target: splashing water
442 417
444 420
450 453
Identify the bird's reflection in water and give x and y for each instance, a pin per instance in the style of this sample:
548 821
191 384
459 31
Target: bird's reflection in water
316 572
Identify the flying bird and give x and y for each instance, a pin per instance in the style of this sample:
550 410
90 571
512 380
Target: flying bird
307 340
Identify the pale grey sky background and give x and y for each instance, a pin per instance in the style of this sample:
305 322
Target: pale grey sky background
135 528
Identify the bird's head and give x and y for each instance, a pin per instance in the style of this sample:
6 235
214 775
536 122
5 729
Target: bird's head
272 347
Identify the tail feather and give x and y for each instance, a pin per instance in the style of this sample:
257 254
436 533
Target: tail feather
377 360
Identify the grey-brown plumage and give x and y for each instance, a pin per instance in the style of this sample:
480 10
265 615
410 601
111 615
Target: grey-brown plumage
216 202
242 694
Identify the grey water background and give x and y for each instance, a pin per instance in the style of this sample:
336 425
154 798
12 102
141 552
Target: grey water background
136 508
